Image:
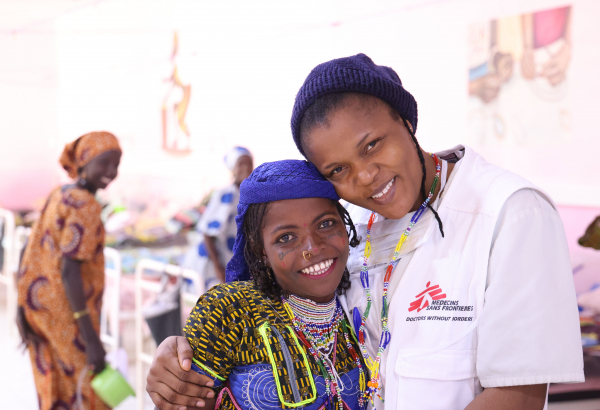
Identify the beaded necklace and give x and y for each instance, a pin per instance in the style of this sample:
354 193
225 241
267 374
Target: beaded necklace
373 388
317 327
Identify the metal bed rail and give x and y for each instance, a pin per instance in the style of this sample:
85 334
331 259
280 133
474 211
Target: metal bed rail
141 285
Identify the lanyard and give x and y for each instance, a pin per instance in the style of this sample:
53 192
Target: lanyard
373 388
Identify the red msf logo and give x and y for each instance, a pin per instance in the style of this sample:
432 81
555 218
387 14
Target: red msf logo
425 298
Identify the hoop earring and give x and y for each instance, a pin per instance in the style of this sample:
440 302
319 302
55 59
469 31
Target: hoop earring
305 254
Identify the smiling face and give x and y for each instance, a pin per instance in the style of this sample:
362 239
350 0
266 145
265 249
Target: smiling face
102 170
291 227
369 156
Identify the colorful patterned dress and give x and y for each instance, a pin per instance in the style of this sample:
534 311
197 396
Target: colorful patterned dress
218 221
245 342
69 226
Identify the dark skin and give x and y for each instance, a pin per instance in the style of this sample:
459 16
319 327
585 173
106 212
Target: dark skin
290 227
96 174
213 255
242 170
360 152
314 225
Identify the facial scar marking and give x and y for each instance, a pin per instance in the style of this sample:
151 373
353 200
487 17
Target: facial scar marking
283 254
338 233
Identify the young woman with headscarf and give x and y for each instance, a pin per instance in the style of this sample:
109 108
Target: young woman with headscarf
276 336
61 276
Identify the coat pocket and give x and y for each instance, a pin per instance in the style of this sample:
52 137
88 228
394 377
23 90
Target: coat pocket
442 365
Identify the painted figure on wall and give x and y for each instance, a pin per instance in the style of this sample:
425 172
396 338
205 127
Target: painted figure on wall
546 44
540 41
176 135
518 82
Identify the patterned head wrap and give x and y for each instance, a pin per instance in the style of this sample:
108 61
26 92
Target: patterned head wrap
234 154
85 148
274 181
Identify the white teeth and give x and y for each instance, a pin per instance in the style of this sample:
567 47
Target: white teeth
385 190
317 268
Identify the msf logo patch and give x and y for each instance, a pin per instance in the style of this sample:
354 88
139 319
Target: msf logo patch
426 297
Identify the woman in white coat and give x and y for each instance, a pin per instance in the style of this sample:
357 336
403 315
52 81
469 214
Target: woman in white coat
469 260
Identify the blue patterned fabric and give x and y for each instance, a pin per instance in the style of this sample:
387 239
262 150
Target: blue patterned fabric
353 74
254 388
274 181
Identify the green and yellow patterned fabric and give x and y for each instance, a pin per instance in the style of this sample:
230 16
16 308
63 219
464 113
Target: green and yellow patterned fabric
238 334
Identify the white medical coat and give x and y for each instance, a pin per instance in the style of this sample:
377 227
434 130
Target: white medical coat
492 304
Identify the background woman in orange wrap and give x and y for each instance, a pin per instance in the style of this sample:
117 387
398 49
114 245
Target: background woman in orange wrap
61 277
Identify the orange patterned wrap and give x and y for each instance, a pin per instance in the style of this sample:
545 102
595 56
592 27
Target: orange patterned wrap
69 226
85 148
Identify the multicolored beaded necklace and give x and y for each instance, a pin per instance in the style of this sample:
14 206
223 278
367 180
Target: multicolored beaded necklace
316 325
373 364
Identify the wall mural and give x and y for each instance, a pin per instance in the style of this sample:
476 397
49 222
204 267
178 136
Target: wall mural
176 135
519 80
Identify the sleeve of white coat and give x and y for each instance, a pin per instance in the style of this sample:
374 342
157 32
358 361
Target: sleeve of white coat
529 328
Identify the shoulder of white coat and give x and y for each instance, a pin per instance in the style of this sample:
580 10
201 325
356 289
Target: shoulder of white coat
525 202
481 187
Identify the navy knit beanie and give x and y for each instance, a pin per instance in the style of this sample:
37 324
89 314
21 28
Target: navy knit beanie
353 74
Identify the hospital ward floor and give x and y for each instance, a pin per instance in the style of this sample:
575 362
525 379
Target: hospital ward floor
17 390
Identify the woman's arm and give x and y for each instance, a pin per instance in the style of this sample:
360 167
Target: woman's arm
71 275
213 255
531 397
528 70
171 383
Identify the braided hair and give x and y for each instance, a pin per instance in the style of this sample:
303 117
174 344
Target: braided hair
262 273
318 115
422 160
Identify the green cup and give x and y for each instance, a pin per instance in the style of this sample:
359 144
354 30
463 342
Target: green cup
111 386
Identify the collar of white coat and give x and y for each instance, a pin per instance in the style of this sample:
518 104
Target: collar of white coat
463 194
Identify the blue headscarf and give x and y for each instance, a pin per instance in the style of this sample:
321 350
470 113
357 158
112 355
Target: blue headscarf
274 181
